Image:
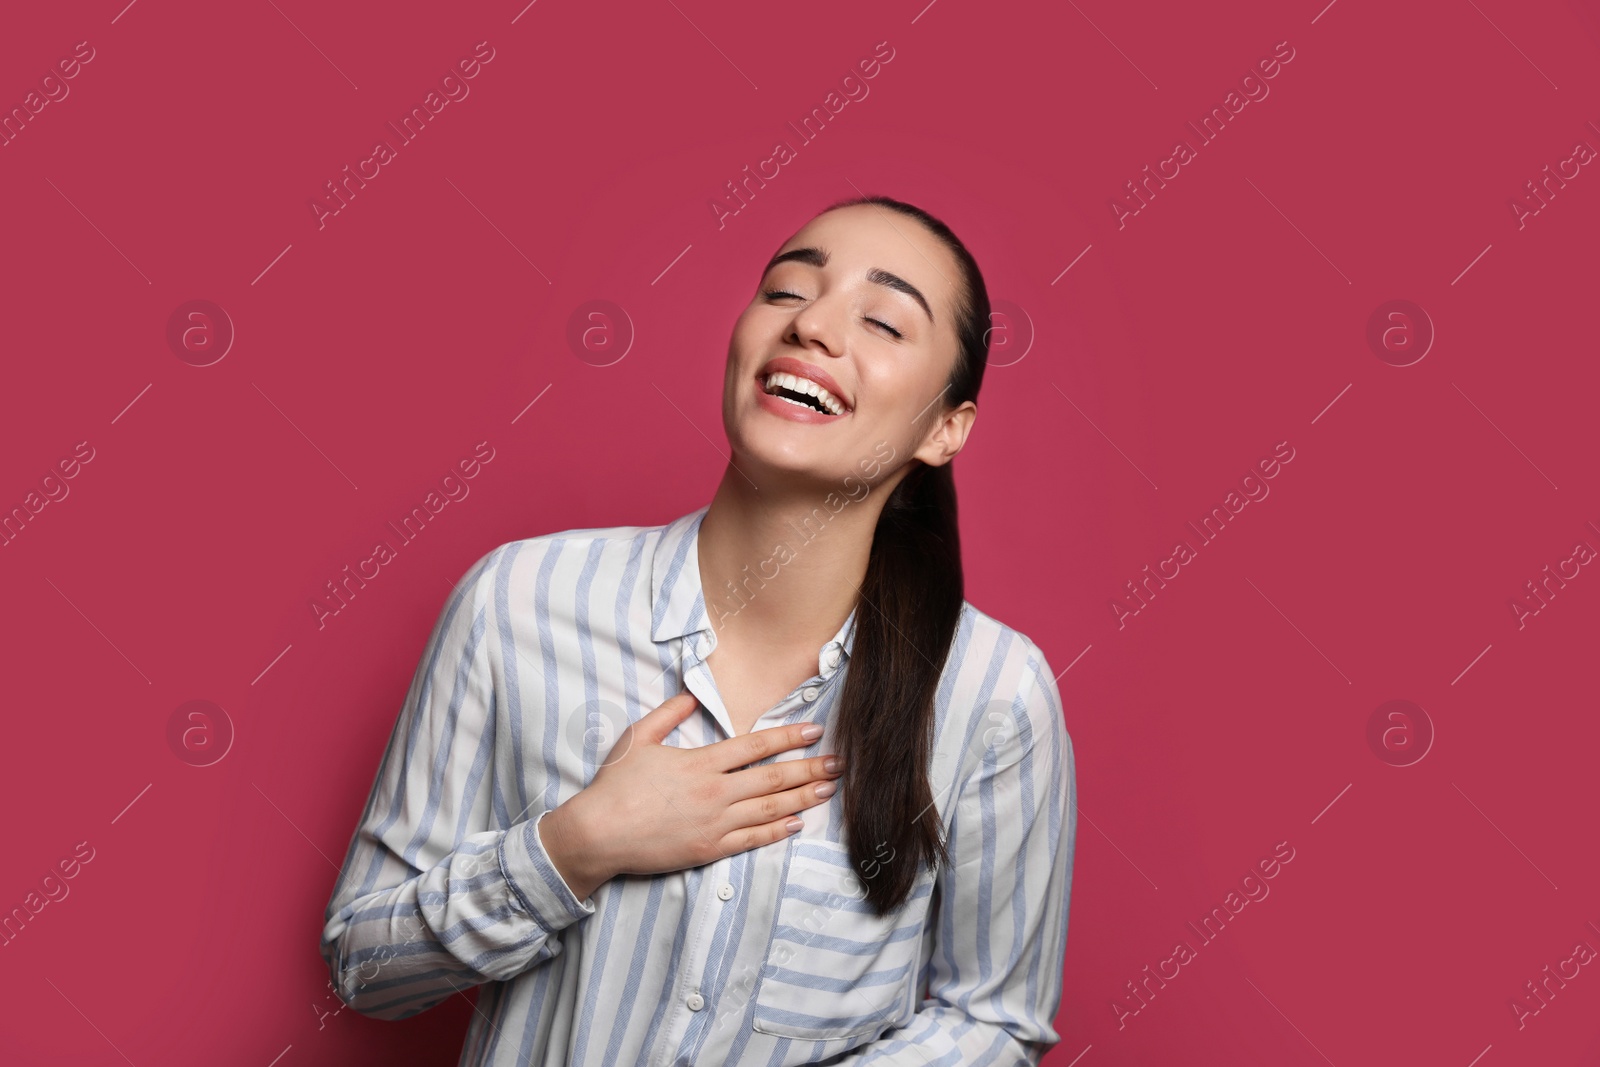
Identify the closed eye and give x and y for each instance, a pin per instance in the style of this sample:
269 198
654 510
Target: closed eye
772 294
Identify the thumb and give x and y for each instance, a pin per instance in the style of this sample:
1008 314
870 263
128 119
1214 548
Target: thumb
655 726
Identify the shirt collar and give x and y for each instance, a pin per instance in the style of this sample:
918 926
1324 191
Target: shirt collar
677 596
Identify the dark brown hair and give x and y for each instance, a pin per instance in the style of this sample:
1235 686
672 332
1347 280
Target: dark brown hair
906 619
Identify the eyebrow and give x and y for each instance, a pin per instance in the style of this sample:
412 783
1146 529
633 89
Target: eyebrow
816 257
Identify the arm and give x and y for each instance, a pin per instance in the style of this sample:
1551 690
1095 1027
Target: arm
430 899
994 980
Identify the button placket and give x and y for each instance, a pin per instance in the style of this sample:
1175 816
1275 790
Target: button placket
696 957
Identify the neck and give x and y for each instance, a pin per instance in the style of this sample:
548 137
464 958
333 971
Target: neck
781 568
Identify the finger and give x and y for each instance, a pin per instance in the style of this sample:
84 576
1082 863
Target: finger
741 751
660 722
776 806
776 777
749 837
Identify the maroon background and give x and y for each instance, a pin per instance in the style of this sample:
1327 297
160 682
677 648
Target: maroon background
1229 715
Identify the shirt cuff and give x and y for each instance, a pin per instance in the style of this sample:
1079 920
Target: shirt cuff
538 886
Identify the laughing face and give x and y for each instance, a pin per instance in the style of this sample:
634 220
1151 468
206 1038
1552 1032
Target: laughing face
848 342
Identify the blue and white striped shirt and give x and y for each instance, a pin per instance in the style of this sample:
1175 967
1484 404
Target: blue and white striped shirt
545 651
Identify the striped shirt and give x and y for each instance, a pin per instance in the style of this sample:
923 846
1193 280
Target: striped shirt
545 650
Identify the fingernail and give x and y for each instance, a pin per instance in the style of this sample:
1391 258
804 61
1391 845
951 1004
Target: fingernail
825 789
793 825
832 764
811 731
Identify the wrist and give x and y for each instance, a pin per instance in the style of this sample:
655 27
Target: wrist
563 832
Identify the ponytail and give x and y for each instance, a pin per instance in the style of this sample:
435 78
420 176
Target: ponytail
906 617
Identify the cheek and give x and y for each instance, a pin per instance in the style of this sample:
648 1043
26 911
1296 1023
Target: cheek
899 390
746 341
739 346
885 412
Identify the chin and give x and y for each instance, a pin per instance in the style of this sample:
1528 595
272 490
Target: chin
791 458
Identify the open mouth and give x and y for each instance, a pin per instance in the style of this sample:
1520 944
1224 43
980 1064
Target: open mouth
804 393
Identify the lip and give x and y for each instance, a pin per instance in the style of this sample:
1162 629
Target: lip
800 369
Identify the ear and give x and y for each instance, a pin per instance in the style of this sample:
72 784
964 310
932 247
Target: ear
948 435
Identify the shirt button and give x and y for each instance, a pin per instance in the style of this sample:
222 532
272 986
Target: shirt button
832 658
809 693
725 892
696 1002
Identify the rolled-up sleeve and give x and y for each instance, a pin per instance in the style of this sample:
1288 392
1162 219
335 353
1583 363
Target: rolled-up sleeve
995 976
431 900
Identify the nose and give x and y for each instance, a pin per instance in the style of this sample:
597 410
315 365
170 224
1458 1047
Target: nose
816 327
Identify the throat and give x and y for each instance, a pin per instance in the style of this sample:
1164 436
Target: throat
752 685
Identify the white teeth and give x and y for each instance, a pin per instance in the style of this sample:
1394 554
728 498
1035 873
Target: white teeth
797 384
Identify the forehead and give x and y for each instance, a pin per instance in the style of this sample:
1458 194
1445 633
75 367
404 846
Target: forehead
866 237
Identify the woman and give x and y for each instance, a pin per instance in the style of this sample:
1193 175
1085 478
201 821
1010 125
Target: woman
639 888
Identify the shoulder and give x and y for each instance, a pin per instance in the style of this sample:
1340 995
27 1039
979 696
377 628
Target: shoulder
559 582
1006 650
1008 674
538 558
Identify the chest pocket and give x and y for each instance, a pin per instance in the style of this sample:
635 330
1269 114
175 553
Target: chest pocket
835 968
